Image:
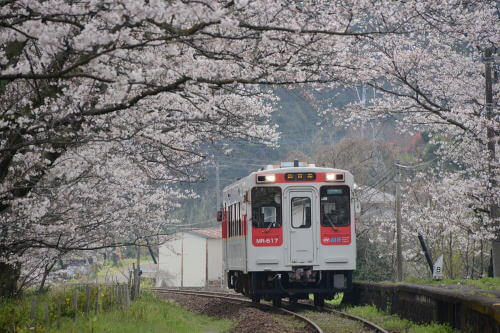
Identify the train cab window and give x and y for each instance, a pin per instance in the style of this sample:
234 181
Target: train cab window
301 212
266 207
335 206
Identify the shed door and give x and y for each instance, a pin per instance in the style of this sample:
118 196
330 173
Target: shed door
301 216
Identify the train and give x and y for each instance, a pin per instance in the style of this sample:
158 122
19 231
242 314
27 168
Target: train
288 232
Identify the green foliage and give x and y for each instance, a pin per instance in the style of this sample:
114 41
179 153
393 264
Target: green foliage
148 314
108 269
15 314
487 283
393 322
431 328
370 266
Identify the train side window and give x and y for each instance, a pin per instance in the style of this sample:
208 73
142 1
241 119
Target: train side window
239 220
230 221
335 206
225 218
266 207
234 220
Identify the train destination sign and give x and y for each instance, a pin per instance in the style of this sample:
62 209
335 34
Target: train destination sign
300 176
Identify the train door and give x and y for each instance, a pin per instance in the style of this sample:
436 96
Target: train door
300 217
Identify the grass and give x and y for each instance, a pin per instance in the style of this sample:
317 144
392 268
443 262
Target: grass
394 323
16 316
108 270
333 324
487 283
290 323
148 314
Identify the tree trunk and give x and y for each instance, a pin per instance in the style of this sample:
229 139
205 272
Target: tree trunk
492 135
473 263
482 260
451 257
9 274
46 271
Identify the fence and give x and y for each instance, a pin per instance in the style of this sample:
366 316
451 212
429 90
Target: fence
78 300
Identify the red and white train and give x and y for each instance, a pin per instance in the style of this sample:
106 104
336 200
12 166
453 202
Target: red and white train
288 231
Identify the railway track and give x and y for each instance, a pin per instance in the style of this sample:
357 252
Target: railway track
241 298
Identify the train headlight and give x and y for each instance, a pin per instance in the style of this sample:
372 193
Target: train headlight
334 177
270 178
266 178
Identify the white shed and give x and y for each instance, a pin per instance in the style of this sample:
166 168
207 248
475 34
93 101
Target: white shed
191 258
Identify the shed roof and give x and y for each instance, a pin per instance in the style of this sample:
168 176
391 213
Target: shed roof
213 233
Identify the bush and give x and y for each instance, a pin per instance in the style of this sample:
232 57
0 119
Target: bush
28 312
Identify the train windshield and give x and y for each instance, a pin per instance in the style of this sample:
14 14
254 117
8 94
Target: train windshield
335 208
266 207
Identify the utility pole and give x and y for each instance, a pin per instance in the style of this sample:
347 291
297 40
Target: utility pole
490 132
399 254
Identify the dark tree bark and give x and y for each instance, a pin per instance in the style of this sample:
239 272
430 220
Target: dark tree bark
9 275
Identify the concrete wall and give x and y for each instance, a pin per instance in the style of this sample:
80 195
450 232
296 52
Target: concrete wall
426 304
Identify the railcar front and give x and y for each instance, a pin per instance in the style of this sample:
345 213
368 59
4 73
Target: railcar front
289 232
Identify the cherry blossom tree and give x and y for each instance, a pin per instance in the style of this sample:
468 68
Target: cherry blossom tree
140 87
450 226
155 79
432 78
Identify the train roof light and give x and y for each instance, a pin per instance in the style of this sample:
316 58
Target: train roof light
270 178
293 164
334 177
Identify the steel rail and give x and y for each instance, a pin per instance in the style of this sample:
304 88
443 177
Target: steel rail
367 323
211 294
364 321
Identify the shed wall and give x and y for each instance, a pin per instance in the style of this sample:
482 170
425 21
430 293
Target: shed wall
194 264
170 261
214 259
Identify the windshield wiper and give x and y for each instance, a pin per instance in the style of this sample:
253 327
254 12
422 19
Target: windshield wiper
330 222
270 225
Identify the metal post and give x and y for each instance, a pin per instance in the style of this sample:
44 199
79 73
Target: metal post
427 252
399 254
87 299
137 276
490 132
